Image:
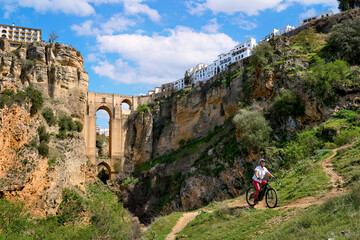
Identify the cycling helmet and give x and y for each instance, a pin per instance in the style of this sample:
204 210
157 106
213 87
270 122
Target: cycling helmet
261 160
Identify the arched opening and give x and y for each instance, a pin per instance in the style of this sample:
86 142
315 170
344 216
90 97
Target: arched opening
104 172
4 31
103 132
126 104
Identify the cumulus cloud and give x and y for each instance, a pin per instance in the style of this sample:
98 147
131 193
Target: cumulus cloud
80 7
198 7
159 58
244 24
212 26
116 24
309 13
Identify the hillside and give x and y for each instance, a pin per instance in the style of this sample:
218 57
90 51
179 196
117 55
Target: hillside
188 150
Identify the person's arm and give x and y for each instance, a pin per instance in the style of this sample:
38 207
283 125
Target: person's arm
257 174
268 173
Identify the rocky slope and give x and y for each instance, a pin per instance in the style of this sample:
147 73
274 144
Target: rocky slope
56 70
184 152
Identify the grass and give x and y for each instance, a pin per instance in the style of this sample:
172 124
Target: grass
347 164
306 178
229 223
162 227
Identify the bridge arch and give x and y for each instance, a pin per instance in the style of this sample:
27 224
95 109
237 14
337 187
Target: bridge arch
104 172
118 126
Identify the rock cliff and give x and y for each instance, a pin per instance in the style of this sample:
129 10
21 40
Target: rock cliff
57 71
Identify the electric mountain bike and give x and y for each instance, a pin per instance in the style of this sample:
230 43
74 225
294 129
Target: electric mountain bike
271 196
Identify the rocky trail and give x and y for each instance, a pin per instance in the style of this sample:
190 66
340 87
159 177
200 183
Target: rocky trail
336 182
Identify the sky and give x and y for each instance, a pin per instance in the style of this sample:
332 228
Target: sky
132 46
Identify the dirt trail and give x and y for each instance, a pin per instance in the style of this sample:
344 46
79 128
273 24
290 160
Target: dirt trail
336 182
181 224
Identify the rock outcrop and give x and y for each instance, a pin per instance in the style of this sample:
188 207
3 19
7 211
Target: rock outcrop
57 70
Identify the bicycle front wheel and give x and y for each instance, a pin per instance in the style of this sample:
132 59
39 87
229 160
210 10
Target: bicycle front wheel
271 198
250 194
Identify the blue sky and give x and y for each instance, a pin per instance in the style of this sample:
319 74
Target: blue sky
131 46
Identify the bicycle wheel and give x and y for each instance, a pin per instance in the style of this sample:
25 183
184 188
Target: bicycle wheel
271 198
250 194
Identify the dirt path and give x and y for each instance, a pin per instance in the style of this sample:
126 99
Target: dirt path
181 224
336 182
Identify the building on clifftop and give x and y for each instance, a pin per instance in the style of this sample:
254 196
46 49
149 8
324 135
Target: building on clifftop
17 35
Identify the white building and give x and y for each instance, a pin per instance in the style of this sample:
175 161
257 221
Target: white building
320 15
20 34
276 32
102 130
179 84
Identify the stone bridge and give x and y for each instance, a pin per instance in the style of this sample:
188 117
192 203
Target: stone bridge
111 103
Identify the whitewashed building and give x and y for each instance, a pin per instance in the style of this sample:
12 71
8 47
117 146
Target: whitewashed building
179 84
20 34
276 32
320 15
102 130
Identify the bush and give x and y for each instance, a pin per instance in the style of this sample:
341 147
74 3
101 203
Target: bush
253 130
143 108
13 218
49 116
343 42
287 104
66 123
36 99
79 126
346 136
61 135
261 55
308 40
43 149
326 79
7 98
43 135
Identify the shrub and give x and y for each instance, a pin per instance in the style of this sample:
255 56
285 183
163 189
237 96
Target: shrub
66 123
7 98
143 108
253 129
346 136
308 40
43 149
261 55
49 116
325 79
79 126
343 42
43 135
20 97
61 135
36 99
287 104
13 218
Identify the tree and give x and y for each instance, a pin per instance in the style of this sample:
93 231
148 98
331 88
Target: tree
343 42
253 130
345 5
52 36
261 55
186 78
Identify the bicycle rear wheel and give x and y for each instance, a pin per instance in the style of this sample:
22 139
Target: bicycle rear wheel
250 194
271 198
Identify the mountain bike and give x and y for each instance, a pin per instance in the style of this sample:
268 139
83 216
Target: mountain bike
271 196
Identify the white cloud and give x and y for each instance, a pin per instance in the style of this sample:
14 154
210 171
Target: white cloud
253 7
244 24
78 7
117 23
159 58
212 27
309 13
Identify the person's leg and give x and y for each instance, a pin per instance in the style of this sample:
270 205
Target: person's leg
263 182
257 187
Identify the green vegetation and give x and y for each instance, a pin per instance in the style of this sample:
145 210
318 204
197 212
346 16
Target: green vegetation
8 98
161 227
143 108
343 42
66 123
49 116
96 215
328 79
345 5
253 129
287 104
79 126
43 149
36 99
261 55
44 137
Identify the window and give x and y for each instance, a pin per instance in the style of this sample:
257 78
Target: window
4 31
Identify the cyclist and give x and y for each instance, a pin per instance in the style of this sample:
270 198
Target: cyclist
260 172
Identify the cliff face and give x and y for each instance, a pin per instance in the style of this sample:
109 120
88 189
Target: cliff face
57 71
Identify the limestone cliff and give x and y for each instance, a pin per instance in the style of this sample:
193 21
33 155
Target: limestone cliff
57 70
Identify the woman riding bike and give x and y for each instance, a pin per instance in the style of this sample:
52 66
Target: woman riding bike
260 172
